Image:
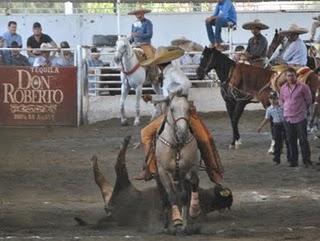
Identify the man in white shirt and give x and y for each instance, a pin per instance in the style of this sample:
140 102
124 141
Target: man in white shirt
315 25
295 54
174 80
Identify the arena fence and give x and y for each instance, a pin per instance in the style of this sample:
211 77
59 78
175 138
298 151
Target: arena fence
65 95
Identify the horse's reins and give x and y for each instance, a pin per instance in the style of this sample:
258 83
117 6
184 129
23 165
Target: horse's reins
131 71
177 146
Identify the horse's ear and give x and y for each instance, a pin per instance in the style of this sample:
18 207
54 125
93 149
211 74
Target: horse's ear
179 92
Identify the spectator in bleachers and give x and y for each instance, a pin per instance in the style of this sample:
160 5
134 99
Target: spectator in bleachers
35 41
65 58
16 58
4 54
11 35
94 61
190 47
44 59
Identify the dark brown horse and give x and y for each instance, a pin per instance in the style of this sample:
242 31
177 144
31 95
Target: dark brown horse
242 84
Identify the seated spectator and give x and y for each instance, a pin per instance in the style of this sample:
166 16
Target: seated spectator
188 46
44 59
94 59
4 54
16 58
35 41
11 35
65 58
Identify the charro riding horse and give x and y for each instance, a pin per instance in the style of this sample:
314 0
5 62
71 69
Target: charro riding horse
177 157
242 84
133 76
279 39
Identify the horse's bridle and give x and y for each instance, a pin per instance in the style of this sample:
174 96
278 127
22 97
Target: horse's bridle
205 69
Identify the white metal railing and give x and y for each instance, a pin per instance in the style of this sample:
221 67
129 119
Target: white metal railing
57 52
97 86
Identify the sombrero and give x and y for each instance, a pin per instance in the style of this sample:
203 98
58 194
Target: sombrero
164 55
317 18
139 10
294 29
186 44
255 24
46 46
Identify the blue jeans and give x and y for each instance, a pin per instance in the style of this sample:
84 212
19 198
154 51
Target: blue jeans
295 131
219 23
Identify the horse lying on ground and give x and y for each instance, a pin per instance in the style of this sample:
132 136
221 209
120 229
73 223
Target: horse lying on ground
127 205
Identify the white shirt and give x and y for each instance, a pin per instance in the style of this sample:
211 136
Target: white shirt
296 53
174 79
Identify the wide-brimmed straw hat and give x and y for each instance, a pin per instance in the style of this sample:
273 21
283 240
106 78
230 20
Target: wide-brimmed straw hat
186 44
164 55
255 24
317 18
294 29
139 10
46 46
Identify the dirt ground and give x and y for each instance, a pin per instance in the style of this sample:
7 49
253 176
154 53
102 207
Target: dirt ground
46 180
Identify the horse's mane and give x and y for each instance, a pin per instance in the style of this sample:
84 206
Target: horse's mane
223 65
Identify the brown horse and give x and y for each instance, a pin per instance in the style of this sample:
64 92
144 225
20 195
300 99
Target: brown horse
242 84
313 62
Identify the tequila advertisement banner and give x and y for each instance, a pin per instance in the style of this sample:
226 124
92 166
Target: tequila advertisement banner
38 96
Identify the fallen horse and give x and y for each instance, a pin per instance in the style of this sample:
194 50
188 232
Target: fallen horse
127 205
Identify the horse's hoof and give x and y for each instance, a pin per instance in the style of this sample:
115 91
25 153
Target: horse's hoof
136 123
194 211
177 223
236 146
124 122
231 146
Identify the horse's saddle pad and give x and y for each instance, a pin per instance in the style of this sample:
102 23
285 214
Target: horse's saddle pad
278 78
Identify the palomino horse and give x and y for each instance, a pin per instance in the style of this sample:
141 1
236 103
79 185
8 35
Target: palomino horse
248 83
177 161
133 76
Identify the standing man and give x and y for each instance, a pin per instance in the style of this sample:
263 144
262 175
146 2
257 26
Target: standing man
295 98
11 35
142 31
256 51
223 14
35 41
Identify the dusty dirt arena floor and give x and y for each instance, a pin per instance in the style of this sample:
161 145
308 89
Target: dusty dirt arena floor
46 180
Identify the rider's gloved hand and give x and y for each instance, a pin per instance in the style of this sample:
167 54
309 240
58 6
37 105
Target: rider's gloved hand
147 98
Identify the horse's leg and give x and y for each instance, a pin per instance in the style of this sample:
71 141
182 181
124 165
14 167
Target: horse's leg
184 186
230 105
194 209
164 203
156 87
124 93
239 108
138 99
168 184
